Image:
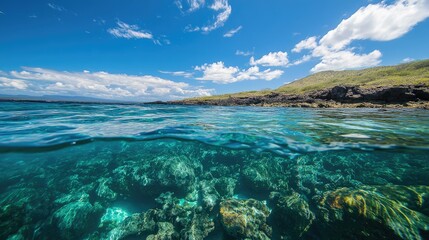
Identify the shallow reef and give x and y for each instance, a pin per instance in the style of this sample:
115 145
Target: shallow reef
172 189
245 219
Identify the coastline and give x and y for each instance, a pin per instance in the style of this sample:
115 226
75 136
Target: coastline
402 96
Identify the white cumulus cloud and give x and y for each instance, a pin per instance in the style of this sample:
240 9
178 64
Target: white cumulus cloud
124 30
342 60
303 59
13 83
272 59
99 85
219 73
377 22
309 43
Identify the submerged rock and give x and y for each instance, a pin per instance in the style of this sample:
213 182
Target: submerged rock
413 197
225 186
104 190
11 219
209 195
174 173
268 174
291 214
245 219
187 217
157 175
165 232
22 206
136 224
199 228
74 219
174 219
386 212
113 217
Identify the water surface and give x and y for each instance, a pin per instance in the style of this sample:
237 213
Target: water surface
100 171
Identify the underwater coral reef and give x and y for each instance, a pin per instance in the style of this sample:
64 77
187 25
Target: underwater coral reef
87 171
170 189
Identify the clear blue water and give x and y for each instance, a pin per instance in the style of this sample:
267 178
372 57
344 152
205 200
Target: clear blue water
100 171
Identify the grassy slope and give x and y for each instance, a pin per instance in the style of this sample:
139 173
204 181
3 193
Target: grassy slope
404 74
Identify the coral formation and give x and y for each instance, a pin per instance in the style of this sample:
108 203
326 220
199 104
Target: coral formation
183 190
74 219
245 219
291 214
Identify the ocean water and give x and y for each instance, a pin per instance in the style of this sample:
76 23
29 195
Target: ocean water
105 171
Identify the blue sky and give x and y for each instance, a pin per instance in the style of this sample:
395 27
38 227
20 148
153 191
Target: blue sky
160 50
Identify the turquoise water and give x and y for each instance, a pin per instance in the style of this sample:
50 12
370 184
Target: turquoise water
94 171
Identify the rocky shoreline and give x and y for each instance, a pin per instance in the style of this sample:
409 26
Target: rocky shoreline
403 96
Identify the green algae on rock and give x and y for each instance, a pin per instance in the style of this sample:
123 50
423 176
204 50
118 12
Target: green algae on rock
382 212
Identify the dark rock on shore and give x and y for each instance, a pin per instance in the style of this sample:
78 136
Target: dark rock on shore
339 96
351 94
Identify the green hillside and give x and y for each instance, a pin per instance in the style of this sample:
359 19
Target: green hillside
404 74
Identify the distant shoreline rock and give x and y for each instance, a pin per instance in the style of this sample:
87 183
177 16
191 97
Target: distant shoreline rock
401 96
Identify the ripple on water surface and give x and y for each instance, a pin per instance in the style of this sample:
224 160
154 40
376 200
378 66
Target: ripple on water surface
95 171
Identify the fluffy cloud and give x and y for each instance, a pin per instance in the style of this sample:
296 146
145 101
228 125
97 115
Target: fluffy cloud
124 30
303 59
219 73
377 22
99 85
232 32
309 43
342 60
272 59
223 9
13 83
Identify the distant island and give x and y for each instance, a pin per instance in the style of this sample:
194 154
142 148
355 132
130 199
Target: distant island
404 85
